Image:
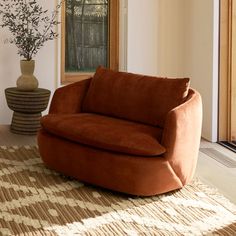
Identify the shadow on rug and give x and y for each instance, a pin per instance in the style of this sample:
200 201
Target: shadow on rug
37 201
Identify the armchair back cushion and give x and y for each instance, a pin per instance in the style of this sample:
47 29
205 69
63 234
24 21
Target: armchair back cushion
133 97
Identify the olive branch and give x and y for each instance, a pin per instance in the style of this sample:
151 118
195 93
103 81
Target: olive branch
30 25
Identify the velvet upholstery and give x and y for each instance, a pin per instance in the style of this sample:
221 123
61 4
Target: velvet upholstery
129 96
69 99
135 175
104 161
181 136
106 133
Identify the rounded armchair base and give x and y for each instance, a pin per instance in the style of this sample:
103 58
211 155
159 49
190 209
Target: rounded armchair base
136 175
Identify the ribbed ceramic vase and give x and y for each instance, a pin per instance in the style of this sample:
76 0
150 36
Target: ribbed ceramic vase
27 80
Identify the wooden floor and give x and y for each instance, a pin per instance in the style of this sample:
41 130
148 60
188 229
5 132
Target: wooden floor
215 173
208 169
7 138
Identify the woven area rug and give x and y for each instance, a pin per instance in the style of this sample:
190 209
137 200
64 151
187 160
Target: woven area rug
37 201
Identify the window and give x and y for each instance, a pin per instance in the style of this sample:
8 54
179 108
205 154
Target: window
89 37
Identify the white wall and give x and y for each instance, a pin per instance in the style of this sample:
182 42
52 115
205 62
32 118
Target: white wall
201 58
171 37
142 38
45 70
188 46
9 66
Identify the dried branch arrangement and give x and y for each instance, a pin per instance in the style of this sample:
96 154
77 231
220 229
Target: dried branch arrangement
30 25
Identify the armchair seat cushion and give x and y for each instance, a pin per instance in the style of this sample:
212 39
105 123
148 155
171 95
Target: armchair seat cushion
105 132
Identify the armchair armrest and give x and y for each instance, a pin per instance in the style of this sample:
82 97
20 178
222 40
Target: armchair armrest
68 99
181 136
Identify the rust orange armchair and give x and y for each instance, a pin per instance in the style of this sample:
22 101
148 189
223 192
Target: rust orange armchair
126 132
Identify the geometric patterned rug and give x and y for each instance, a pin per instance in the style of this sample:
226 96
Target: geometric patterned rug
37 201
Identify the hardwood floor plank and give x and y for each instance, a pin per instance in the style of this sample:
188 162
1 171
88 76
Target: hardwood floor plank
7 138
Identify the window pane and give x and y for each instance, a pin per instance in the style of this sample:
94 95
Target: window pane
96 1
86 41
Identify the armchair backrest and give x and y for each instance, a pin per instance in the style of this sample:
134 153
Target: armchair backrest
135 97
